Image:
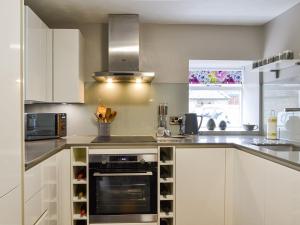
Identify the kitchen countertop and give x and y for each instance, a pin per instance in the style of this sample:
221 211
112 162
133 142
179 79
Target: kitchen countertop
38 151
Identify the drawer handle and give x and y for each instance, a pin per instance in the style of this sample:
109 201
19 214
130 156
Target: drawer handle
121 174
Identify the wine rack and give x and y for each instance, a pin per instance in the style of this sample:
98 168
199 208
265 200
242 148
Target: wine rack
166 187
79 187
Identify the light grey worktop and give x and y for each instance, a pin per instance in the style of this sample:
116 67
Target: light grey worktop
38 151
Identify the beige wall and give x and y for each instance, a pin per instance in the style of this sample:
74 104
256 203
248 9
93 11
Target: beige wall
283 33
167 49
136 106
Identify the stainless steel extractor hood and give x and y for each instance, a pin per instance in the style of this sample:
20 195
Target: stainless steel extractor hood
123 51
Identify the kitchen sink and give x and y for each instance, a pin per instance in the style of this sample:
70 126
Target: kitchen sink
278 147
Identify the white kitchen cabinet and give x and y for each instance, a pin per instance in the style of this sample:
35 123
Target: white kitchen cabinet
248 182
11 100
68 80
38 58
200 186
259 191
10 205
34 181
282 198
35 207
64 187
47 188
40 194
41 191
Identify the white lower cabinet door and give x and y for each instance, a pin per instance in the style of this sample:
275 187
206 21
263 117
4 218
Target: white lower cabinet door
200 186
282 195
10 208
64 188
248 189
35 207
50 176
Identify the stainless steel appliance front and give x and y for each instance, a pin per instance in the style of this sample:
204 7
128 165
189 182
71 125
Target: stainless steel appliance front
40 126
123 188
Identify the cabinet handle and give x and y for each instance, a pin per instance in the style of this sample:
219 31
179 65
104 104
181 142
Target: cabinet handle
121 174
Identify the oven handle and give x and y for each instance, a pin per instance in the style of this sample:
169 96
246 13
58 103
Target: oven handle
96 174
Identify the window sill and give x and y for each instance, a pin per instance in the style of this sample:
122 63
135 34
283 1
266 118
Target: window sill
229 132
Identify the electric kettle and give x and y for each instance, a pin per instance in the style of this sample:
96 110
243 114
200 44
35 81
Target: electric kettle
191 125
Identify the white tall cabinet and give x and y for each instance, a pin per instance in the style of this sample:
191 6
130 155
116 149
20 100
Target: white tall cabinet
38 58
200 185
10 119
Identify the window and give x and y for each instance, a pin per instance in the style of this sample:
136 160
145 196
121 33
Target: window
217 94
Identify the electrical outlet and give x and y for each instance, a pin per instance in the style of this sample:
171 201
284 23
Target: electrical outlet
174 120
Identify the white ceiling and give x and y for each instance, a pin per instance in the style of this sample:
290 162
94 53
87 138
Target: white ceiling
233 12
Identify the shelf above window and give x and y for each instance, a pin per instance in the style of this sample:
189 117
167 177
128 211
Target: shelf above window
278 65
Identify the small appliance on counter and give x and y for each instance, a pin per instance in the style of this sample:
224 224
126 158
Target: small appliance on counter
42 126
191 124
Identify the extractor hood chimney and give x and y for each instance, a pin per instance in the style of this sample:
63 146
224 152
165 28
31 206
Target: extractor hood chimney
123 51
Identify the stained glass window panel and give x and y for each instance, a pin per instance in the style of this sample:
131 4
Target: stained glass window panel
206 76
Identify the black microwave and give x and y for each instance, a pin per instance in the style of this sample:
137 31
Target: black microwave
41 126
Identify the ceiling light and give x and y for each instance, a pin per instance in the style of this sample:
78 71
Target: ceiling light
138 80
109 80
148 74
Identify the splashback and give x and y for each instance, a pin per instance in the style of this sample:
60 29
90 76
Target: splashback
136 104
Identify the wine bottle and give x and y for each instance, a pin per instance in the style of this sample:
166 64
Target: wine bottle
164 222
164 156
82 211
166 209
164 190
80 175
80 222
164 173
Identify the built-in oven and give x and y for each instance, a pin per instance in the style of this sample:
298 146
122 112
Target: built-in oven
123 188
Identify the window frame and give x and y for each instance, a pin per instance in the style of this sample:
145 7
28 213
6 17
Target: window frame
222 87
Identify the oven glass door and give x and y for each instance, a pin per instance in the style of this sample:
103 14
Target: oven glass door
122 194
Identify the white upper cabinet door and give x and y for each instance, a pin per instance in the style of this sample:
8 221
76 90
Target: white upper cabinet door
68 66
200 186
11 96
36 58
282 195
248 189
49 66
